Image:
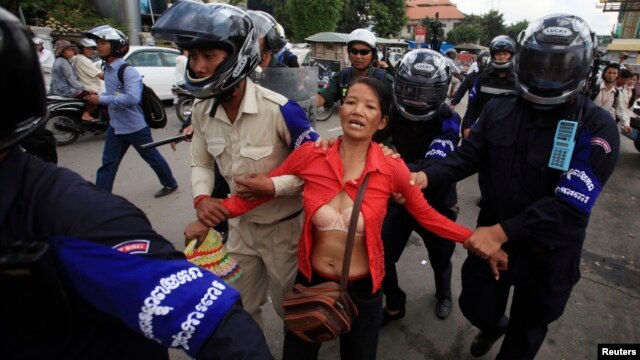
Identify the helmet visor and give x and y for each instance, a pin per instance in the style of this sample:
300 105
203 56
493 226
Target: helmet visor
188 23
419 99
551 74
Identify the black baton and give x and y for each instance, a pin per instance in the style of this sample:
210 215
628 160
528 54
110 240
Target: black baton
154 144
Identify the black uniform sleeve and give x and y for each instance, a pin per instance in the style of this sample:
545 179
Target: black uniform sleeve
473 107
561 220
465 86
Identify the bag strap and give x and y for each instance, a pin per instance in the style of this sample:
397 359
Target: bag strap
348 250
121 70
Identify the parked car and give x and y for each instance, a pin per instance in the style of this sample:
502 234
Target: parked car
156 65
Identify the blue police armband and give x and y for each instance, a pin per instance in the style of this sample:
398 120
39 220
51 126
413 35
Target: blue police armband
298 124
579 187
170 301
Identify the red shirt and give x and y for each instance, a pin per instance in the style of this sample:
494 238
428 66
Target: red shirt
322 174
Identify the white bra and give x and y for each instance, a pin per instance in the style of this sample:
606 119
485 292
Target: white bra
328 218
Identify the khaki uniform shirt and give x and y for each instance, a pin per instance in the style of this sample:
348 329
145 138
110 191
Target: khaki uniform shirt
256 142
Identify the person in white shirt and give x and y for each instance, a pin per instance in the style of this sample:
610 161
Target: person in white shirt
450 55
607 96
46 60
88 74
181 65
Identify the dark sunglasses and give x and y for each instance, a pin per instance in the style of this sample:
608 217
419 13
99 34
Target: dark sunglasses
363 52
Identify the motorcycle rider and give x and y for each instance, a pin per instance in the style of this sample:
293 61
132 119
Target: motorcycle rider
363 54
83 274
88 74
423 130
497 79
535 211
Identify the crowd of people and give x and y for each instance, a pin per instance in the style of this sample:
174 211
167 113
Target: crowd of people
288 194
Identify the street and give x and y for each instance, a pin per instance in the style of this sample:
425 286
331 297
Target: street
604 306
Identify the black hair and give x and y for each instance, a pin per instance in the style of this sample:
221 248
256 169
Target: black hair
625 73
379 89
610 65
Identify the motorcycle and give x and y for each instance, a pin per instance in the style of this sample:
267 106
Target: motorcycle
323 112
182 103
65 119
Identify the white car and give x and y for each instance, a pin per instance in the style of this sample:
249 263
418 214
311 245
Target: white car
156 65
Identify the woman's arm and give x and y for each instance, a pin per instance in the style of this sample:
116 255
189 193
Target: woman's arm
420 209
295 162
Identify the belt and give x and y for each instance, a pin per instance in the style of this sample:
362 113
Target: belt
292 216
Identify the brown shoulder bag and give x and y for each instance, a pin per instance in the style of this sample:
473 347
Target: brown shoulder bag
325 311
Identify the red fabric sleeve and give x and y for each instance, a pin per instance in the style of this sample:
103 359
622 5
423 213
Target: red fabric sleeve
426 216
291 165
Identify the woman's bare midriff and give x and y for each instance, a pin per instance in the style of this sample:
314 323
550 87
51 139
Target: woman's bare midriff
328 252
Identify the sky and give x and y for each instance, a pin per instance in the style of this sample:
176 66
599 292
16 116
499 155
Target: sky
516 10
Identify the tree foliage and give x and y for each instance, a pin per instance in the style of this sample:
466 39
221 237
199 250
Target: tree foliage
310 17
354 15
514 30
65 15
492 25
389 17
484 28
465 33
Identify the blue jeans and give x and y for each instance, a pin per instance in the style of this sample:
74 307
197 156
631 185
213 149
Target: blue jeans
115 146
361 342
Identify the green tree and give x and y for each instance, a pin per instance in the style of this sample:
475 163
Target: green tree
514 30
66 15
389 17
310 17
492 25
465 33
354 15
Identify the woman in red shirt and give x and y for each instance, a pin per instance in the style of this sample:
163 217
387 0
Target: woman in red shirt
332 179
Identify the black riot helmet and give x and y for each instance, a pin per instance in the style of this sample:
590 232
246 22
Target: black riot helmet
119 41
498 44
420 85
267 28
483 60
192 25
23 95
554 59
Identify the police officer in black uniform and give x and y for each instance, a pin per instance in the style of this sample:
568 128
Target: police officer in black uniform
423 130
497 79
483 60
534 209
83 275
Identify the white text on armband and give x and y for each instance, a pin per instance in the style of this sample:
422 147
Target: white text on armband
152 303
435 153
574 194
582 176
445 143
189 326
303 135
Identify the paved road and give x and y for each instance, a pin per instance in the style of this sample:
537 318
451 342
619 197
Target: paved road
604 306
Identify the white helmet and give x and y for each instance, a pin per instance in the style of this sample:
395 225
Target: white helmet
86 42
362 36
38 41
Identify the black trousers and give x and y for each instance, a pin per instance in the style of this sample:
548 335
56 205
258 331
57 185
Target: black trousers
396 230
542 281
361 342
